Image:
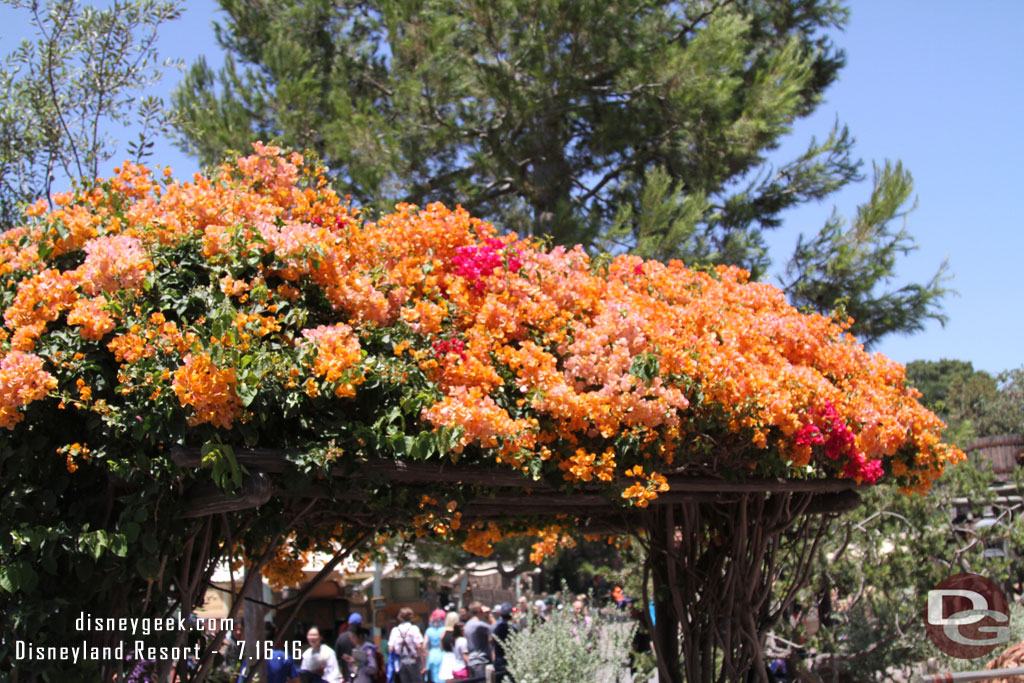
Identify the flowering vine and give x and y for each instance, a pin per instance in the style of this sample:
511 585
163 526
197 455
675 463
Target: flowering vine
259 307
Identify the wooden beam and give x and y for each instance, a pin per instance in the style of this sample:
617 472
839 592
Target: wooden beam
828 503
207 499
444 471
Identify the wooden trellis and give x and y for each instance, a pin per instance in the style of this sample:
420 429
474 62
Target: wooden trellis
509 493
713 544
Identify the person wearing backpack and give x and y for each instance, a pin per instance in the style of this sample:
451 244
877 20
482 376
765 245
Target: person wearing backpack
407 641
382 672
366 661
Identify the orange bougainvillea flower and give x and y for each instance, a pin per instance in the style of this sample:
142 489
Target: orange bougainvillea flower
260 286
22 381
209 390
337 349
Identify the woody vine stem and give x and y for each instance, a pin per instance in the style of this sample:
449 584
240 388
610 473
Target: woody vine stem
712 568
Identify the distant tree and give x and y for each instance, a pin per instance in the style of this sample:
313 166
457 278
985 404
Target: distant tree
634 126
972 402
871 611
1004 412
959 394
84 73
934 379
870 582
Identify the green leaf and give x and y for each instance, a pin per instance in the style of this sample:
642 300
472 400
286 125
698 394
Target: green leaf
19 576
119 545
130 531
8 579
247 392
645 367
95 542
423 447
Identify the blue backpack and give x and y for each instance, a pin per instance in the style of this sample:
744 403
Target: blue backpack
394 665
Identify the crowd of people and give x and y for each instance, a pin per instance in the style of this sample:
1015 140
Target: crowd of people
455 645
450 645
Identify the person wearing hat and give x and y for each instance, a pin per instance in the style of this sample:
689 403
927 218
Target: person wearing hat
433 637
344 646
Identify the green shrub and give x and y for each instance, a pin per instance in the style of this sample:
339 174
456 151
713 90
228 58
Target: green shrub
566 649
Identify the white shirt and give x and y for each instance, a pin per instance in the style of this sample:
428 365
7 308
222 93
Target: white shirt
412 637
311 661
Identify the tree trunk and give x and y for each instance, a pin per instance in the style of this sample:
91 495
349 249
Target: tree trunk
714 567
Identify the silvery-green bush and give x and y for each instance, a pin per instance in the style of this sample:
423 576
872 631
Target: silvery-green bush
564 649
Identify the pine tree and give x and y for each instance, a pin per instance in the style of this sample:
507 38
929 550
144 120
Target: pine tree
634 125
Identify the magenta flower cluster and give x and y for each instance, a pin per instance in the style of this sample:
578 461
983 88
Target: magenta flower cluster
839 440
476 263
445 346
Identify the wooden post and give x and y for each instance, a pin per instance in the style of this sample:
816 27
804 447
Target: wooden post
253 613
665 631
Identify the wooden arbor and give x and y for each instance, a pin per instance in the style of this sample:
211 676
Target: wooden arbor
715 547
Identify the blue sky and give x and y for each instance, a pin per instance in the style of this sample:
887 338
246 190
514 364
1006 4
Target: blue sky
936 84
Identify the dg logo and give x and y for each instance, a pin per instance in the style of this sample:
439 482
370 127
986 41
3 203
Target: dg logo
967 616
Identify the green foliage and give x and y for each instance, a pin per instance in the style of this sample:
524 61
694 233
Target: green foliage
877 568
843 266
62 94
972 402
637 126
567 649
71 538
224 468
934 379
1003 413
956 392
872 576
